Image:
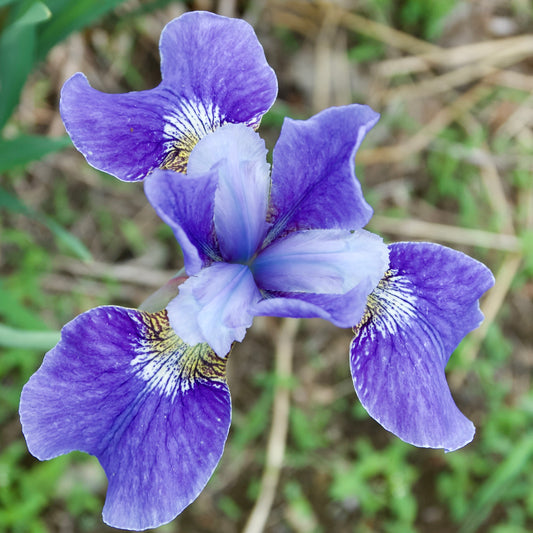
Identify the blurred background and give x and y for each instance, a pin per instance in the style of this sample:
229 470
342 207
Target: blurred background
450 161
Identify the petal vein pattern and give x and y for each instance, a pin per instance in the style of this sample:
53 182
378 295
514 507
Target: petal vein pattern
177 367
214 71
155 411
422 308
184 127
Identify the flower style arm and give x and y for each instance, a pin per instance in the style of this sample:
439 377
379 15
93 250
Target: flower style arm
122 386
214 72
422 308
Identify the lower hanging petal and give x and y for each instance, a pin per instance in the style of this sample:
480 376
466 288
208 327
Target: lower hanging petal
422 308
122 134
155 411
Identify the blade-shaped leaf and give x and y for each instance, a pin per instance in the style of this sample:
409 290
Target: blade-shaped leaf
32 340
17 46
69 16
36 13
25 148
12 203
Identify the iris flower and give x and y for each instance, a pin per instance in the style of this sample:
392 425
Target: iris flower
213 72
146 392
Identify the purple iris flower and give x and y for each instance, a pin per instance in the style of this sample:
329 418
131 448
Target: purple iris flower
424 305
146 392
213 71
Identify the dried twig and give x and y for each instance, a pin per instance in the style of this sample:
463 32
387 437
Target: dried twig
450 57
126 273
278 431
421 230
419 141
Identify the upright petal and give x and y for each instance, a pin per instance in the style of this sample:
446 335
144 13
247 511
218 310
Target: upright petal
214 71
156 412
187 205
422 308
313 179
241 200
321 261
215 306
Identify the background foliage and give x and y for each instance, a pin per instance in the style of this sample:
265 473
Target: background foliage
450 161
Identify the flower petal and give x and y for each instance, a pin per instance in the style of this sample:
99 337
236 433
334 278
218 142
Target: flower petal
219 62
214 71
321 261
156 412
121 134
215 306
342 310
187 205
423 307
241 200
313 179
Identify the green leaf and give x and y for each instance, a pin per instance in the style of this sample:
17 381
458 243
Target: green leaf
25 148
6 2
15 312
495 487
31 340
36 13
72 243
17 46
17 50
69 16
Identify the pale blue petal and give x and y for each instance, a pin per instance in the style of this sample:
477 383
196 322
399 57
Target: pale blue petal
241 200
321 261
215 306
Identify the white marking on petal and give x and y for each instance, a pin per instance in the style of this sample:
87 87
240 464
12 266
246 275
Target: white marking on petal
191 119
166 363
161 372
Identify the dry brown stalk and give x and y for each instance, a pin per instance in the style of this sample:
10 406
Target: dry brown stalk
126 273
450 57
419 141
467 74
491 179
278 431
421 230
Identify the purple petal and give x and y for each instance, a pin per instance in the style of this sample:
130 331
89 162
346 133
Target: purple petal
342 310
187 205
321 261
241 200
122 134
220 62
313 179
156 412
214 72
423 307
215 306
